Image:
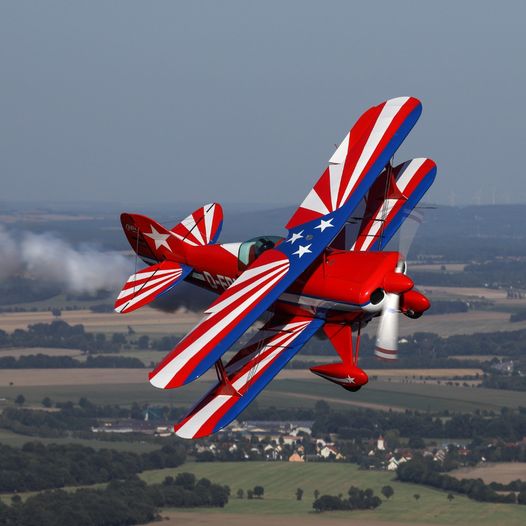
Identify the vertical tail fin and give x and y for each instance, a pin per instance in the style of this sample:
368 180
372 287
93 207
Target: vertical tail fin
201 227
150 240
153 243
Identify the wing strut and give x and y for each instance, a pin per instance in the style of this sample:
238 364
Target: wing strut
225 387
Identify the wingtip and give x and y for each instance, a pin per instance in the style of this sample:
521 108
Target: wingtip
156 381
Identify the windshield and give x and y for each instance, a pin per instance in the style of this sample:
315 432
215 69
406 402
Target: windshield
250 250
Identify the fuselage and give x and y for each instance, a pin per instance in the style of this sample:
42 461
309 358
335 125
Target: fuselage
339 285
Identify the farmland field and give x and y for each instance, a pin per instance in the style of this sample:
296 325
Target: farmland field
281 479
493 472
156 323
144 321
124 386
209 518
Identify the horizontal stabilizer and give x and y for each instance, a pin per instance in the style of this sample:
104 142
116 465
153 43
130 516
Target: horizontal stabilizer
147 284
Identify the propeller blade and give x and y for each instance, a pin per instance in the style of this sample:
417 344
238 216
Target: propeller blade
387 338
408 231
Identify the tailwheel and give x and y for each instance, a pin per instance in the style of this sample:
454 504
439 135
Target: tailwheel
345 373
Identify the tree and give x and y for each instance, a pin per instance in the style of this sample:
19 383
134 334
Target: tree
143 342
56 312
46 401
118 339
250 494
259 491
450 497
387 492
186 480
416 496
321 407
316 494
392 438
329 503
20 399
240 493
416 442
521 497
299 494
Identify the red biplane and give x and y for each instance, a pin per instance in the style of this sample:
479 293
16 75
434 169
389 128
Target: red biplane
328 273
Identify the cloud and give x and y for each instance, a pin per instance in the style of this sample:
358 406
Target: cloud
9 254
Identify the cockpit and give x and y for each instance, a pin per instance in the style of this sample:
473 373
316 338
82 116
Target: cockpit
250 250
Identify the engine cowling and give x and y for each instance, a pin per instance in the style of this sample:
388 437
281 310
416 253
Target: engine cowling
354 278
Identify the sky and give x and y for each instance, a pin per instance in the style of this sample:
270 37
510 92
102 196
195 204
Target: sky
243 101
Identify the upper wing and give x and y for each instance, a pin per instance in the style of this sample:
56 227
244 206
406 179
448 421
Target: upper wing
249 371
359 159
354 166
352 171
390 200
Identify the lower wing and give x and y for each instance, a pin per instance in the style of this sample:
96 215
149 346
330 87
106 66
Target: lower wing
247 374
225 321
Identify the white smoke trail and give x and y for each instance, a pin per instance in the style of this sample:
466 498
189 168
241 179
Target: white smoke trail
46 257
9 254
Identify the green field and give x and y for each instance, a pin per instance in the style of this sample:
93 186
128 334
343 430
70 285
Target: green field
281 479
120 394
156 356
288 393
418 396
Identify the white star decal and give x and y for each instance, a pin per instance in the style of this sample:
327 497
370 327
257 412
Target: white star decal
159 239
303 250
325 224
350 380
295 237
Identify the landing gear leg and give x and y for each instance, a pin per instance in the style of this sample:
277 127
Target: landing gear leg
346 373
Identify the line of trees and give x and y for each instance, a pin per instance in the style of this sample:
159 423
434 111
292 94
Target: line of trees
129 501
514 382
59 334
37 466
425 471
508 425
76 419
45 361
358 499
494 273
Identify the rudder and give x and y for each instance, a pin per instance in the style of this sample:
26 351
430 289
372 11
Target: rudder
201 227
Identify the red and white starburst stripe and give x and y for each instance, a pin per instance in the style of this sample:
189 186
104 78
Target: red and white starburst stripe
255 361
353 159
382 209
146 285
201 226
224 315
